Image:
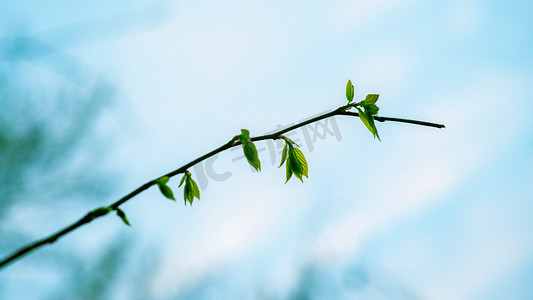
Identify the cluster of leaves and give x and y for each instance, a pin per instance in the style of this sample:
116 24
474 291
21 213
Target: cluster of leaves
294 160
296 163
370 109
191 188
190 191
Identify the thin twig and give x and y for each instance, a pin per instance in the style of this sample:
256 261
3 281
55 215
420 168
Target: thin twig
91 216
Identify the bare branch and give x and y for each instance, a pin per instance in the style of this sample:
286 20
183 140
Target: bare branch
91 216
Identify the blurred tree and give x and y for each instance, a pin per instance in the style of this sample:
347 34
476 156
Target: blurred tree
53 144
50 107
45 127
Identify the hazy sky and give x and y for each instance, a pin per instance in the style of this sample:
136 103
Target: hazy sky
424 214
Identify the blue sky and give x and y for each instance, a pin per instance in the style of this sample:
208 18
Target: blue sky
424 214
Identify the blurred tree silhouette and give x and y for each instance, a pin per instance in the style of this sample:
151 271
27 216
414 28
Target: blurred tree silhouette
45 127
356 281
53 148
50 107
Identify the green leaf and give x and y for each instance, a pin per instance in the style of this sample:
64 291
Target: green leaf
166 191
251 154
288 171
287 140
374 130
187 174
100 211
162 180
364 119
370 99
122 216
283 155
191 190
349 91
367 119
303 162
372 109
296 163
248 147
245 135
188 193
195 189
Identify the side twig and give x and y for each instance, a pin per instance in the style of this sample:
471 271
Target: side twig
95 214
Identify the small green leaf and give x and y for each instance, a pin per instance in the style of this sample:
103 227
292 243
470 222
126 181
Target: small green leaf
245 134
370 99
100 211
191 189
374 130
288 171
287 140
162 180
368 120
372 109
195 189
296 163
166 191
364 119
187 192
122 216
303 162
349 91
283 155
250 152
187 174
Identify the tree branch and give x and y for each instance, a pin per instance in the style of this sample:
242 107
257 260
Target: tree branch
97 213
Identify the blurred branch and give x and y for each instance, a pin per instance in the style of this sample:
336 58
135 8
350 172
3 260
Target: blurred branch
100 212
